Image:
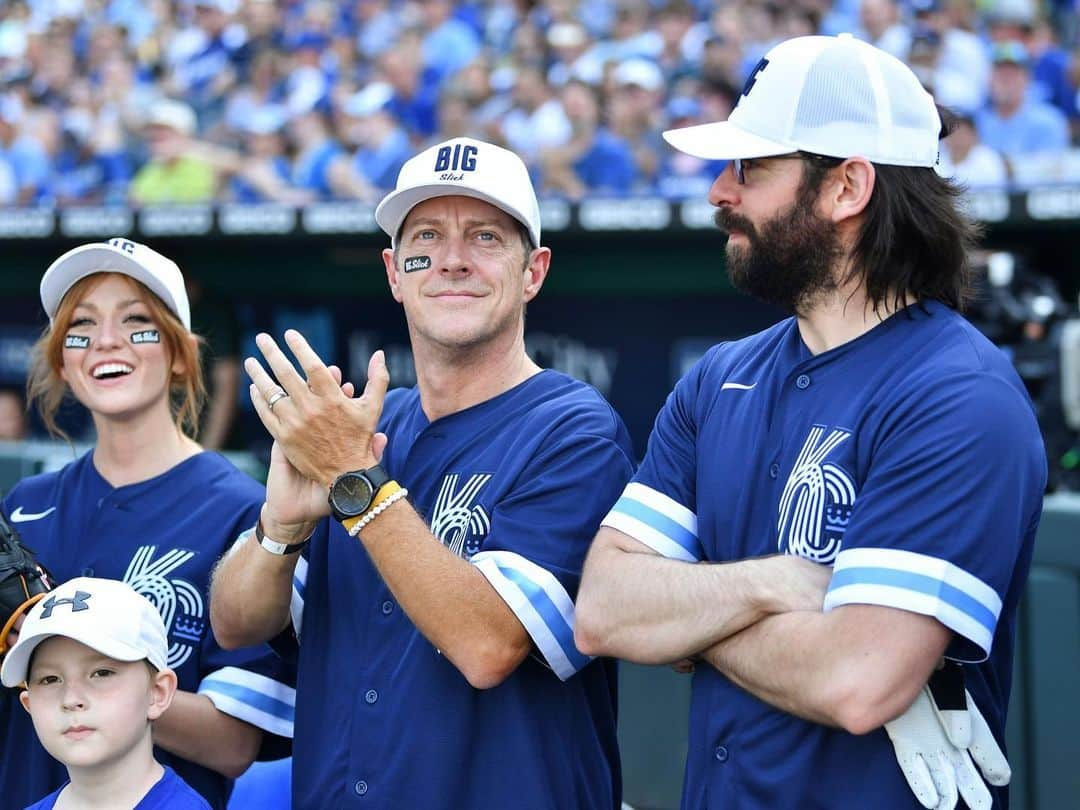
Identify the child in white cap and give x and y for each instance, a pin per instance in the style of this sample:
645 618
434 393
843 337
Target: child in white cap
91 658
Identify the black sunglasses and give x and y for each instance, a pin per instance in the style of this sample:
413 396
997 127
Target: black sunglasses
742 164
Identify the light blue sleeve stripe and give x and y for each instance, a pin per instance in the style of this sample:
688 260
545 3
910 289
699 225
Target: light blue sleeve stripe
299 587
661 522
918 583
242 694
541 602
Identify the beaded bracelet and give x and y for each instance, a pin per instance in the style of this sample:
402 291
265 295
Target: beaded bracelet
374 513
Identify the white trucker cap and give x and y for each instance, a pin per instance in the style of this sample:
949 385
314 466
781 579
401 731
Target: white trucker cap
104 614
834 96
468 168
159 274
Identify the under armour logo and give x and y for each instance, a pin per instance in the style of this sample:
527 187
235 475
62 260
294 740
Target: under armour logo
77 602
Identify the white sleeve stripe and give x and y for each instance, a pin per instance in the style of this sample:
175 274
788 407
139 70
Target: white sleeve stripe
541 604
259 700
925 604
656 540
662 503
915 563
243 711
296 602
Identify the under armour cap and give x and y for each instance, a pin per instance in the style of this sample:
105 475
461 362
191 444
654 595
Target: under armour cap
104 614
834 96
159 274
468 168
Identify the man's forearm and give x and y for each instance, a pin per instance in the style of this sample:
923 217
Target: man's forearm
637 605
855 667
250 593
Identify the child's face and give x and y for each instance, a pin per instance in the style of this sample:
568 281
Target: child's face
88 709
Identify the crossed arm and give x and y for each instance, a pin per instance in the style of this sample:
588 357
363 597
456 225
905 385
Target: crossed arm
759 622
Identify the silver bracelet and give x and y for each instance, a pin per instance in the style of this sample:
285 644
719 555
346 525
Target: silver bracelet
378 510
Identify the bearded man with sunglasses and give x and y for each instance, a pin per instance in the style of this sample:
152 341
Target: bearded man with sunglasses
841 508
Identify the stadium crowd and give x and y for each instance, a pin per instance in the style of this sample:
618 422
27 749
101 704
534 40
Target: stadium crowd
149 101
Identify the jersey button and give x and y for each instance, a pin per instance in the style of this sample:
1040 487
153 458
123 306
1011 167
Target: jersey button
774 470
371 696
387 607
802 382
721 753
360 787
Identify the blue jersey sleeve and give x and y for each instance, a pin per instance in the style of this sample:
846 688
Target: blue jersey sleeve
953 492
252 684
540 534
654 507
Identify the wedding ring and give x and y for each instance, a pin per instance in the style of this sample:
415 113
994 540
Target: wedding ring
273 399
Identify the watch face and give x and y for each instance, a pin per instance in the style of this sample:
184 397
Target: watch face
352 494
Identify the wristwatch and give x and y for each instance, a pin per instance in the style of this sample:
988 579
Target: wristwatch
353 493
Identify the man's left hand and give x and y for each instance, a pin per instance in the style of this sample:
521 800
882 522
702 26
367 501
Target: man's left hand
322 431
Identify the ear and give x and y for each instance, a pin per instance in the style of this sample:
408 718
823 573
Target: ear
393 277
162 689
536 272
24 699
848 189
179 367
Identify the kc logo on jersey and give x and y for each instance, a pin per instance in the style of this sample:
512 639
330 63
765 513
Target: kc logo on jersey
177 600
458 521
816 503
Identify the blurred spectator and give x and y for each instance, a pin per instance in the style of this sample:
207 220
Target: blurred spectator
635 111
683 176
23 153
569 43
1014 124
449 44
14 424
316 151
172 175
376 25
881 26
949 87
307 86
537 120
683 39
205 72
416 91
265 174
967 160
382 146
594 161
962 56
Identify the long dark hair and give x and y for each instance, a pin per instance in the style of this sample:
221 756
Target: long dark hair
916 237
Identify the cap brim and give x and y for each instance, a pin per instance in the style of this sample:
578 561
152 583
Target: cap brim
86 260
14 669
391 212
723 140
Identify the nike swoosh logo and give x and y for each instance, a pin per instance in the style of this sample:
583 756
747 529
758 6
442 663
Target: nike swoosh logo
737 386
19 516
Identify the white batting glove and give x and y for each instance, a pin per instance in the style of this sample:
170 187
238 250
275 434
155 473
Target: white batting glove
937 750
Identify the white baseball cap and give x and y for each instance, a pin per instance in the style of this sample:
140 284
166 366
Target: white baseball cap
834 96
159 274
104 614
467 168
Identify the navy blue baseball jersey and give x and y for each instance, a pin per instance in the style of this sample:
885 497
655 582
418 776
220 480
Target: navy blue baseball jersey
170 792
910 460
162 536
517 485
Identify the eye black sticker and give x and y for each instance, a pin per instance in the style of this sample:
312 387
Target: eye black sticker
76 342
146 336
417 263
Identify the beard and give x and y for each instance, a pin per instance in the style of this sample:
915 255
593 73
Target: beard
790 261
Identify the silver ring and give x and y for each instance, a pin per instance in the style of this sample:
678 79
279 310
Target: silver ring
273 399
